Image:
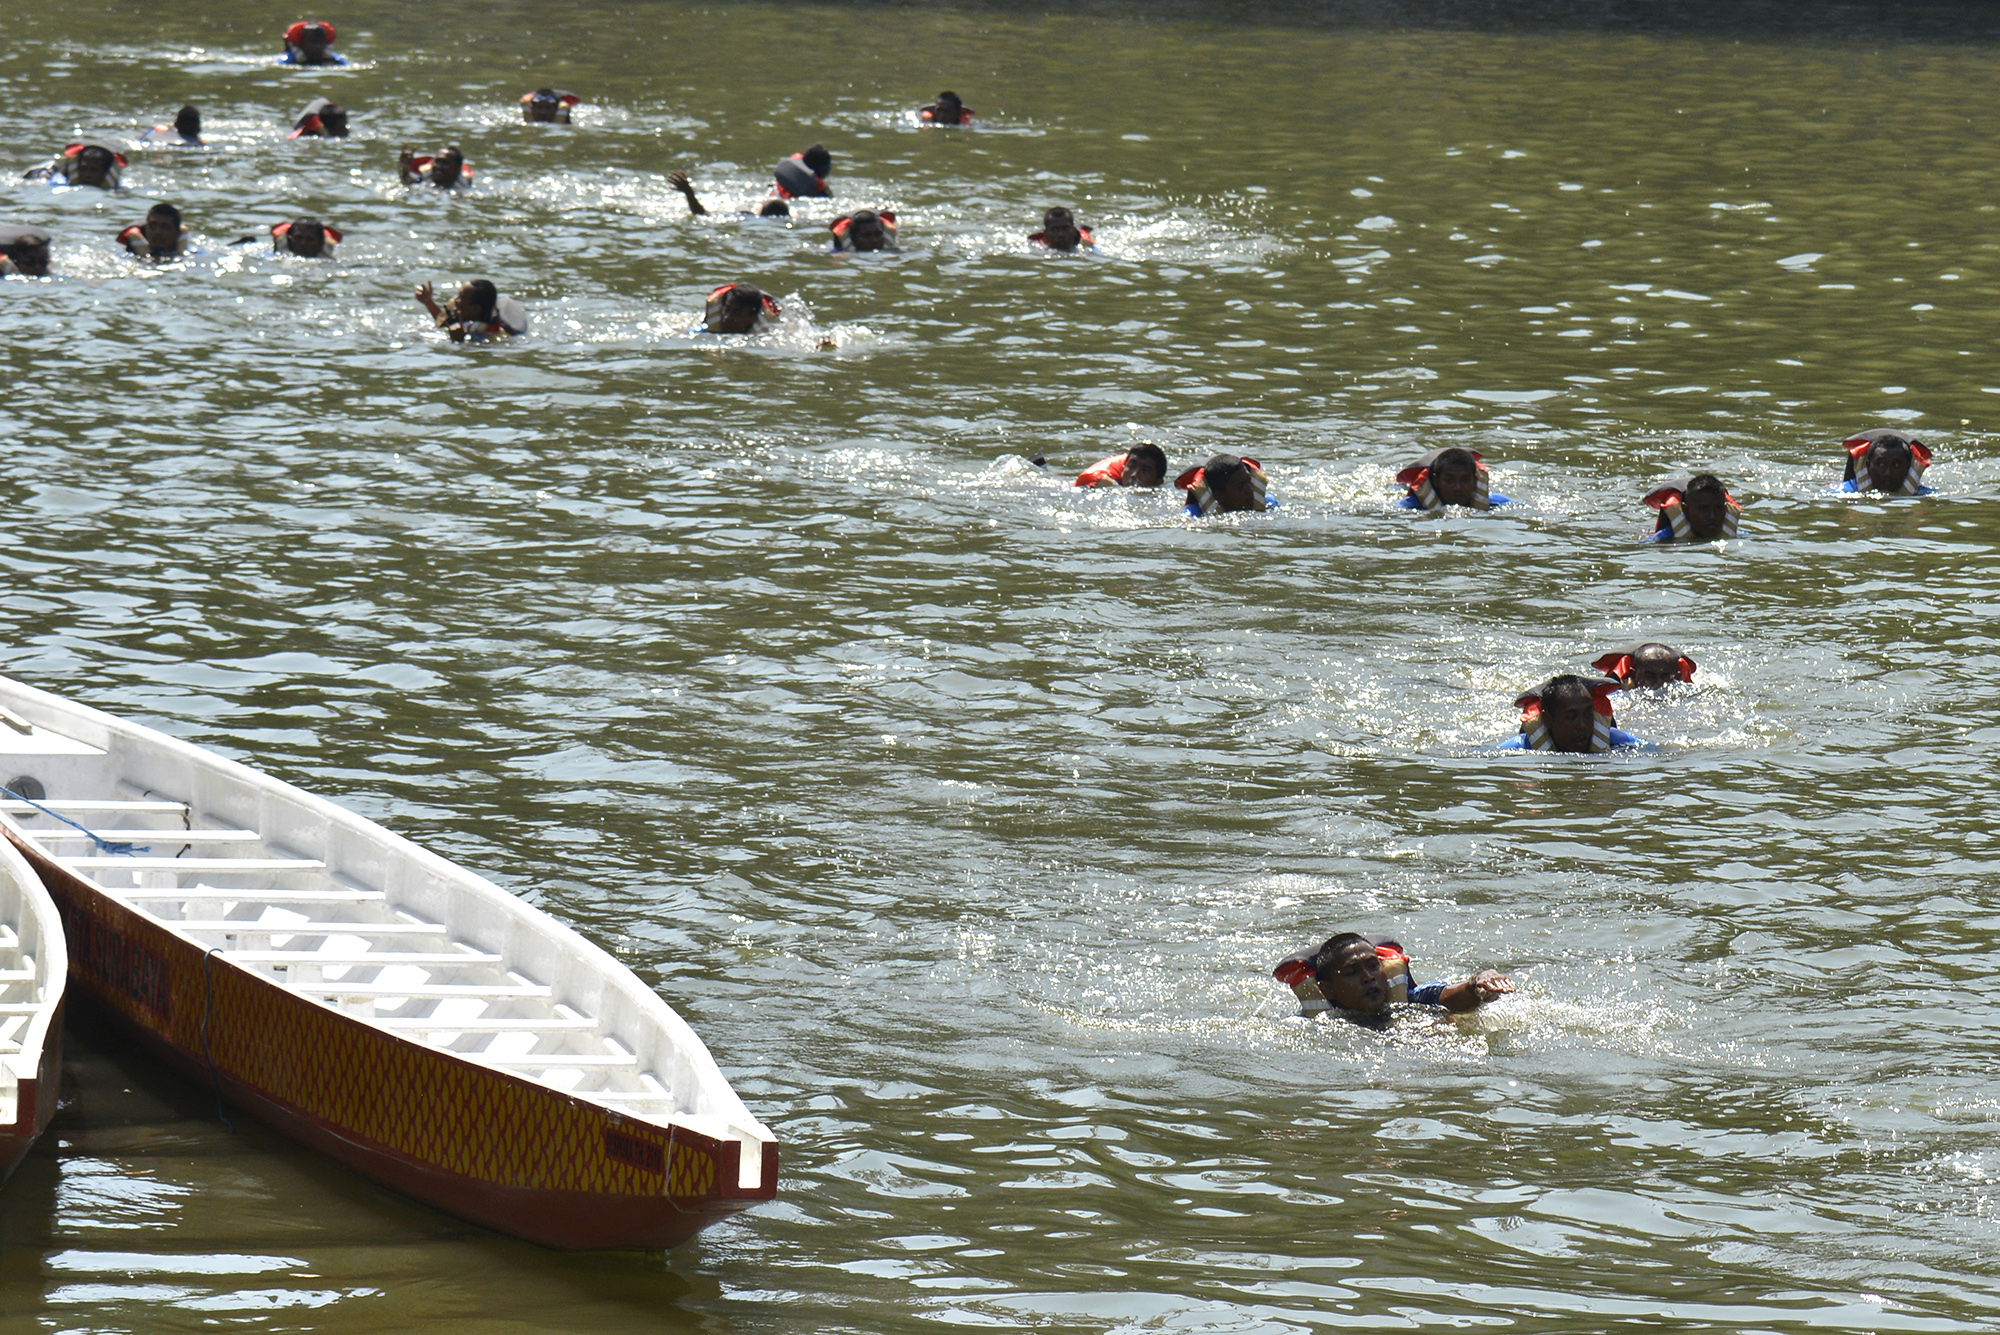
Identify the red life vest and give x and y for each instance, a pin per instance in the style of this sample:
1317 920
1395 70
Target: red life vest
839 227
422 165
296 34
1537 732
769 302
928 115
1618 663
795 180
1417 477
563 96
1296 972
1857 458
1083 235
279 231
1667 500
1108 470
1195 483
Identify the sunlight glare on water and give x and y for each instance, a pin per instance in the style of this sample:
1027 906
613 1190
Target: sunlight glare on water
963 814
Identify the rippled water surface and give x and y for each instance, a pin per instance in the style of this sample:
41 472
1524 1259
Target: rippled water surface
963 814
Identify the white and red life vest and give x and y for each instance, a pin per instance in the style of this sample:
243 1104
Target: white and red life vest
1107 471
1857 448
1296 972
133 238
1668 500
1083 235
563 96
1195 483
841 225
928 115
1618 663
1536 732
421 165
118 160
296 34
795 180
279 231
769 304
1417 477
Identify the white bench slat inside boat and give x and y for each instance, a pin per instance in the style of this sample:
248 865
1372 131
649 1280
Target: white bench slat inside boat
435 960
73 807
315 927
230 895
163 836
549 1061
131 862
430 1024
419 991
20 1007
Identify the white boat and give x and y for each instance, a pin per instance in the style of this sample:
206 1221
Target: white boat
371 999
34 974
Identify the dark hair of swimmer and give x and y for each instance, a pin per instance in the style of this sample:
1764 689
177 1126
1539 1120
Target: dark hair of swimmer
1569 713
817 160
866 231
1349 973
949 107
774 208
1888 464
739 307
1059 229
333 121
28 248
164 213
480 299
1705 502
1454 476
1228 479
92 165
187 122
306 237
1655 664
1145 466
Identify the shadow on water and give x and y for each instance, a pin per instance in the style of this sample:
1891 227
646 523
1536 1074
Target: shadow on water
141 1208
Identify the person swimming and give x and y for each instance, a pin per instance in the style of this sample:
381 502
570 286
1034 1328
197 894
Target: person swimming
1449 477
1060 232
446 169
946 112
310 42
1144 465
803 175
1646 666
737 308
864 230
1693 509
548 106
24 251
1571 714
83 162
163 236
770 208
1885 459
306 237
186 129
320 120
1224 484
478 313
1366 975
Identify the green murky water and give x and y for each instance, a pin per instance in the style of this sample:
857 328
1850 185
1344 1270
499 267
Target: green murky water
964 815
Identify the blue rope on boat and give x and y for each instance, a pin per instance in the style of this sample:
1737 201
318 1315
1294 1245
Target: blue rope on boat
108 845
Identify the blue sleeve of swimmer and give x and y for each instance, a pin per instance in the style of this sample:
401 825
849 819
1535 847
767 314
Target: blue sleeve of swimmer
1620 737
1428 994
1518 742
1848 486
1495 498
1922 490
1270 501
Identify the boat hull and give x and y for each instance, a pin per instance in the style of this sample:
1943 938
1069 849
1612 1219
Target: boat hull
34 1102
490 1147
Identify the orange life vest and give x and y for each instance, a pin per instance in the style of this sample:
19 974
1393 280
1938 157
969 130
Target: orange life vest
1296 972
1618 663
1417 477
1537 732
1668 501
1857 448
1195 483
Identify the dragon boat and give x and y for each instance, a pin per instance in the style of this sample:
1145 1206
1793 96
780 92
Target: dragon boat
34 974
368 998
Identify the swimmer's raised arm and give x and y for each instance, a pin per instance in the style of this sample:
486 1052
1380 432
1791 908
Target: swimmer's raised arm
1475 991
680 182
427 298
406 168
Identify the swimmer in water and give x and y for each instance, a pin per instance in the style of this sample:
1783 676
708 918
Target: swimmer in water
1225 484
446 169
163 236
320 120
83 162
1060 232
1448 477
310 42
1693 509
1365 975
306 237
548 106
1144 465
770 208
1571 714
864 230
803 175
186 129
1647 666
24 251
737 308
478 313
1886 460
946 112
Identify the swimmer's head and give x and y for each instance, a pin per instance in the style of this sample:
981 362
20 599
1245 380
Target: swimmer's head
1230 483
948 109
1059 230
306 237
333 121
93 164
774 208
1350 974
314 39
476 302
28 248
448 166
736 309
187 122
1569 712
162 229
1706 504
817 160
1454 476
544 105
1653 665
1145 466
1888 463
866 231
